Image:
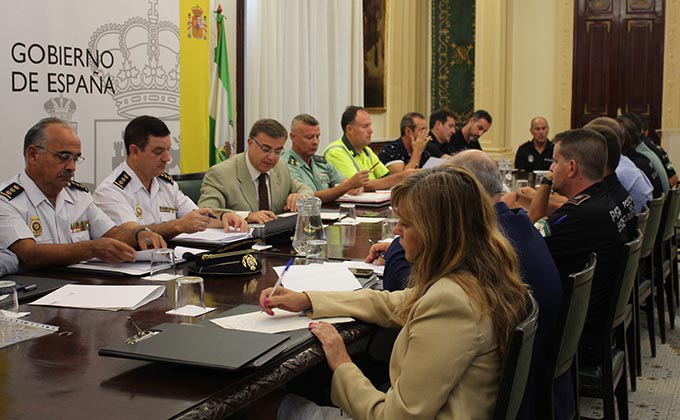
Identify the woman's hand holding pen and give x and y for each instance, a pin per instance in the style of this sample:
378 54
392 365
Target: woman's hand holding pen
285 299
376 254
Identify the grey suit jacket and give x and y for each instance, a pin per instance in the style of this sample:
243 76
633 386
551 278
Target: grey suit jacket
227 186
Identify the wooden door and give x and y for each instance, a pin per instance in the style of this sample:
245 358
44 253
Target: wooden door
618 60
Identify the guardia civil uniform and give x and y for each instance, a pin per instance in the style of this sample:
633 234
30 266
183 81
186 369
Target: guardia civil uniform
318 175
123 197
26 213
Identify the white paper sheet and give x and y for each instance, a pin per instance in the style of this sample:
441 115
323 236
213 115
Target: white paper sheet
138 268
434 162
366 197
322 277
281 321
190 310
110 298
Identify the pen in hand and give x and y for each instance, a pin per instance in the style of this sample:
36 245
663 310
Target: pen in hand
283 273
380 253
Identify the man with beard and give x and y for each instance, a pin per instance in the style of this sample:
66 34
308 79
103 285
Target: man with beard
468 136
140 193
48 219
255 184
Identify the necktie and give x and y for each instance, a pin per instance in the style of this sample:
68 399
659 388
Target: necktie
263 192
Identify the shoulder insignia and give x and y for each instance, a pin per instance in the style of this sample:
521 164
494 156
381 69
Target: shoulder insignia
577 200
122 180
78 186
167 178
12 190
319 159
292 161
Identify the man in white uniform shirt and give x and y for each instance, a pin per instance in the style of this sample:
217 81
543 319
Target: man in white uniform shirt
140 193
48 219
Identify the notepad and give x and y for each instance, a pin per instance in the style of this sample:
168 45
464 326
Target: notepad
382 197
109 298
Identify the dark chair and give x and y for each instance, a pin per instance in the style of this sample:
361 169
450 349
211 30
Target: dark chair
606 378
190 184
562 357
664 260
516 366
646 268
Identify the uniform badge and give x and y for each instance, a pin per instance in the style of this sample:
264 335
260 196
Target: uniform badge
249 262
12 191
167 178
80 226
543 228
292 161
530 158
36 226
577 200
138 211
78 186
122 180
166 209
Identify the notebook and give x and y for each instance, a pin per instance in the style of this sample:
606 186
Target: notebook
198 345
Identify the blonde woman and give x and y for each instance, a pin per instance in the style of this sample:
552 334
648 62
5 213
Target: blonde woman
464 299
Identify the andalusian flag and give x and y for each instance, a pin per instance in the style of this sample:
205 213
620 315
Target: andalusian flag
194 86
221 115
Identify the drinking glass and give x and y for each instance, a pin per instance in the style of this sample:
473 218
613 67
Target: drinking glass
189 291
257 231
388 227
317 250
8 296
348 211
163 265
521 183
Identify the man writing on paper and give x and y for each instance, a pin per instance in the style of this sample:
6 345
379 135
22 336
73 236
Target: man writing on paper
140 193
255 183
48 219
351 154
314 170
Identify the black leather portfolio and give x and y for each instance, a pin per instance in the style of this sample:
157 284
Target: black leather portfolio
198 345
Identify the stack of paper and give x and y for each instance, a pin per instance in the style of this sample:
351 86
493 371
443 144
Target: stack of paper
109 298
211 235
366 197
322 277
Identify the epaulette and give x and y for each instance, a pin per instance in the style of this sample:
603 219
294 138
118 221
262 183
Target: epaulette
167 178
292 161
122 180
77 185
319 159
577 200
12 190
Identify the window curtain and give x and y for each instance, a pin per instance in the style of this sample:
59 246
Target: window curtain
303 56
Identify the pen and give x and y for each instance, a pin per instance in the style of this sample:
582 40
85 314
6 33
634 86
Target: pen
380 253
558 221
374 165
283 273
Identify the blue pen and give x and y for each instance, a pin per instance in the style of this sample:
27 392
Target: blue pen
283 273
558 221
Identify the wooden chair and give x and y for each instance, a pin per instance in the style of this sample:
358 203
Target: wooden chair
516 366
665 262
190 184
606 378
562 357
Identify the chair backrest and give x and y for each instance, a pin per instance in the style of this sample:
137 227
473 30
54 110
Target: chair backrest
642 219
671 215
571 319
190 184
516 366
653 223
627 274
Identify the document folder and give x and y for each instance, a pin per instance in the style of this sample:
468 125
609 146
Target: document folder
198 345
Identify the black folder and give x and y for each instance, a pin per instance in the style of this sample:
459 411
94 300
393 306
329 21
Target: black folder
198 345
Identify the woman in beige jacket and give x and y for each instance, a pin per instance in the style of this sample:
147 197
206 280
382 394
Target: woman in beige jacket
464 299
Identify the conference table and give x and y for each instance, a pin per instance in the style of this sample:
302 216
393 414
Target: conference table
61 376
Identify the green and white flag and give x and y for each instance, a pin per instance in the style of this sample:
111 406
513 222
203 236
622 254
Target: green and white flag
221 114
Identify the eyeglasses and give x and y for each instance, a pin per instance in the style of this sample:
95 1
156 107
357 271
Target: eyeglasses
266 149
63 156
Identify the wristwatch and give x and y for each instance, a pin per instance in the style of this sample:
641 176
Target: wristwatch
140 231
547 181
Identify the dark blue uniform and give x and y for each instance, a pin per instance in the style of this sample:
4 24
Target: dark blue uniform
529 159
458 143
